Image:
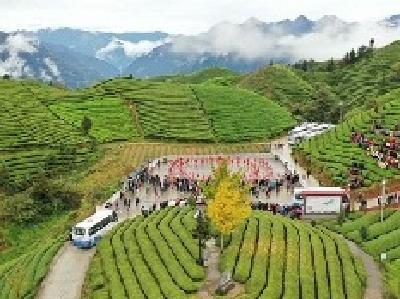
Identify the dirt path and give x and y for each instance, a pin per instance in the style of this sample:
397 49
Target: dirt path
374 278
66 276
207 290
213 275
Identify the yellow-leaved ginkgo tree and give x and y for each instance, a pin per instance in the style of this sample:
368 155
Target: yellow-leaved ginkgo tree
230 205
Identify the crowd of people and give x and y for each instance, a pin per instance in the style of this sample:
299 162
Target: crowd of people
386 151
145 182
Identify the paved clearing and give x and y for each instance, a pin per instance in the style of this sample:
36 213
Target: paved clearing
66 276
285 155
374 276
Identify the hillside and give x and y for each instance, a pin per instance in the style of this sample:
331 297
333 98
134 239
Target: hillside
310 87
41 125
201 76
331 156
272 256
169 110
368 78
236 114
281 84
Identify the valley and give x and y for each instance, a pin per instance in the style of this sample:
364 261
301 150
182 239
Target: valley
89 117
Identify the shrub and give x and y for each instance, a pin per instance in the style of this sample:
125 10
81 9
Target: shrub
258 276
243 266
363 233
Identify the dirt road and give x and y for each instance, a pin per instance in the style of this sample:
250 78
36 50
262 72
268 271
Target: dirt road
374 278
64 281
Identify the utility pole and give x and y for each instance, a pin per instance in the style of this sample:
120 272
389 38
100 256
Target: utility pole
383 197
351 201
341 110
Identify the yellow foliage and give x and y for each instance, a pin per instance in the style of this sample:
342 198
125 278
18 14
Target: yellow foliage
230 207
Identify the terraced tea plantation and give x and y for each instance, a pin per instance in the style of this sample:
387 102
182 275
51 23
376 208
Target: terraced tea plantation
380 237
273 256
236 114
152 257
26 122
24 266
32 137
276 257
330 155
203 112
21 277
111 118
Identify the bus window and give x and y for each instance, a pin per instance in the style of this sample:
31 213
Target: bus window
298 197
79 231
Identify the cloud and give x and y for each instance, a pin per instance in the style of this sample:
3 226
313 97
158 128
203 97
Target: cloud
334 41
177 16
130 49
52 66
14 45
329 37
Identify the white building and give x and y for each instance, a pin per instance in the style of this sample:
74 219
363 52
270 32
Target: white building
321 200
307 130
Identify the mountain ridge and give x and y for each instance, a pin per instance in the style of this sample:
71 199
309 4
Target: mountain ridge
240 47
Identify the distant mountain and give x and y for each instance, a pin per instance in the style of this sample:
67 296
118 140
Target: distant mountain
254 43
22 55
164 61
83 57
117 49
394 20
77 69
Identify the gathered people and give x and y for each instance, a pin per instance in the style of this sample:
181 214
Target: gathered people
385 150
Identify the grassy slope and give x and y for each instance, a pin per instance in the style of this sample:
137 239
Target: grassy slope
237 114
359 83
199 77
356 85
111 119
280 84
369 78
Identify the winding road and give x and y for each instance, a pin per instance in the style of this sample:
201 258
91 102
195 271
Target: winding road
67 272
66 276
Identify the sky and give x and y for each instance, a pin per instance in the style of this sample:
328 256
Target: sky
178 16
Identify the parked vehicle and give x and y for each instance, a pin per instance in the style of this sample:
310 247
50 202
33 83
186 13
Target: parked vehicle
88 232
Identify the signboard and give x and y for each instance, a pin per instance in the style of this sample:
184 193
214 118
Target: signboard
322 204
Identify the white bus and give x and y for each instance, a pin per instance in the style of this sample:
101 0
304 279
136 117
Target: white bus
87 233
